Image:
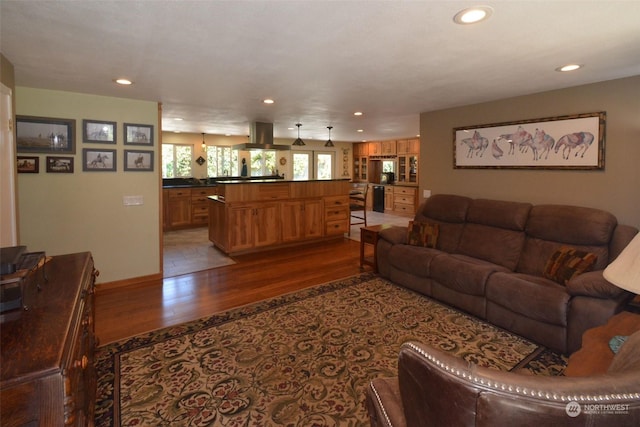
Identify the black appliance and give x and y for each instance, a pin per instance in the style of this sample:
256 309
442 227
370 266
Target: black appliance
387 178
378 198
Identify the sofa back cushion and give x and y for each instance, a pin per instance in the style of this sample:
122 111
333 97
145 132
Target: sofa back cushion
494 231
552 226
449 212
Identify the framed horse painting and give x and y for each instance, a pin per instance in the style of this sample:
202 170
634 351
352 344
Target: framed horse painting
135 134
98 160
138 161
564 142
45 135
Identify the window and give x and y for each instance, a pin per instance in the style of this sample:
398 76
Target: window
324 165
222 161
301 166
176 160
263 163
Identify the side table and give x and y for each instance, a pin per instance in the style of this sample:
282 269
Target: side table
369 235
595 355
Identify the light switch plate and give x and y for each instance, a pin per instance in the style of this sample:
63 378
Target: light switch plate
132 200
426 193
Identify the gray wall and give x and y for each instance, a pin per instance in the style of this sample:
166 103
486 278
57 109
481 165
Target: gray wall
616 188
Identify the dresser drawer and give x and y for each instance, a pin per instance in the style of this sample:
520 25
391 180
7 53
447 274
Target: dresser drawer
403 209
336 227
334 201
403 199
404 191
336 213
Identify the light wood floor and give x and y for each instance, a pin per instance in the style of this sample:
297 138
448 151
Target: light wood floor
127 311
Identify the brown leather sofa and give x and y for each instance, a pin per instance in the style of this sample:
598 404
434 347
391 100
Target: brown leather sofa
491 260
434 388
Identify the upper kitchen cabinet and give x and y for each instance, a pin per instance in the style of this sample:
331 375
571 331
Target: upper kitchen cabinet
408 146
388 148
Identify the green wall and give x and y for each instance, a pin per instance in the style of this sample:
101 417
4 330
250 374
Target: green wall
65 213
614 189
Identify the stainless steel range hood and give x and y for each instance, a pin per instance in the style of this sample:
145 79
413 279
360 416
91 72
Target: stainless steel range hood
261 138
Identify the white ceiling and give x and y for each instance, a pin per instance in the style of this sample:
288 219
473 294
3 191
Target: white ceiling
212 62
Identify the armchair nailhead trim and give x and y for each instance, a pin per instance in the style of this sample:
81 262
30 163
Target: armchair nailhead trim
384 411
522 390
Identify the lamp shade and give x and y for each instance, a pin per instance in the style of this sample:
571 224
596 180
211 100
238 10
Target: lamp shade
624 271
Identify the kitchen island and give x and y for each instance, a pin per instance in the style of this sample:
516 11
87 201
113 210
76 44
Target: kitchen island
249 216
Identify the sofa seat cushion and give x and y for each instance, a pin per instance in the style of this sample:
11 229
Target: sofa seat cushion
463 273
534 297
413 259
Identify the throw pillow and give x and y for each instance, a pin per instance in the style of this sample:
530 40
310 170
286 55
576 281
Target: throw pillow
568 262
422 234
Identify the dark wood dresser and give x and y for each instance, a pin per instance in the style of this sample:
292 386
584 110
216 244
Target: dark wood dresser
47 364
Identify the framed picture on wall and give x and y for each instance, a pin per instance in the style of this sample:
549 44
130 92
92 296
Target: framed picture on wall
97 160
562 142
98 131
136 134
45 135
138 161
28 164
59 164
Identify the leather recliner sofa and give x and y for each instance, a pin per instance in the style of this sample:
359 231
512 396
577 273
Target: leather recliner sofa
491 260
435 388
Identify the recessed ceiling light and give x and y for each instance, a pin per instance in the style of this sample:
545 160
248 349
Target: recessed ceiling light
268 101
123 81
360 130
357 113
569 67
472 15
178 119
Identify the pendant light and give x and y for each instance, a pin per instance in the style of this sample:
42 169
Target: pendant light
298 141
329 142
204 145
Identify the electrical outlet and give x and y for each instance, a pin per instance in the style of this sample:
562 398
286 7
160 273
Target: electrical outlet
426 193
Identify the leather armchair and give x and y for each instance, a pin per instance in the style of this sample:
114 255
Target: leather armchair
434 388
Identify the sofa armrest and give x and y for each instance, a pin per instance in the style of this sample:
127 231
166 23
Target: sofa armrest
384 404
438 388
593 284
396 235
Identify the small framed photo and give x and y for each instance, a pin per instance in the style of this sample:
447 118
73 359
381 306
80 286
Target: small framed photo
138 160
59 164
28 164
45 135
97 131
135 134
96 160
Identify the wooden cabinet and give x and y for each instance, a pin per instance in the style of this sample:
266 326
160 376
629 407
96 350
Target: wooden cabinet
361 162
388 148
246 217
254 225
336 215
388 198
186 207
375 148
48 373
404 200
179 208
199 205
408 146
301 219
407 169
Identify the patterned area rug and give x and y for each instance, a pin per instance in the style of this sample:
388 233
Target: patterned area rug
303 359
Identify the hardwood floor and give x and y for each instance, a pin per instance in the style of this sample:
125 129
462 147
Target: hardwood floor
127 311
